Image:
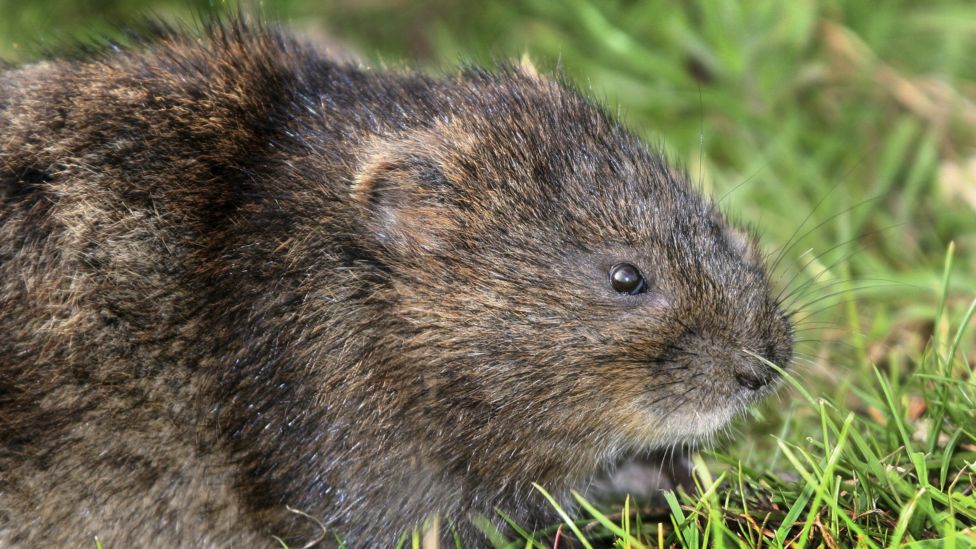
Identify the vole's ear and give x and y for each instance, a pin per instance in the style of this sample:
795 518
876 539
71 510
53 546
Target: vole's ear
744 242
408 201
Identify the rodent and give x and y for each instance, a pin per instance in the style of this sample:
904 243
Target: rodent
238 278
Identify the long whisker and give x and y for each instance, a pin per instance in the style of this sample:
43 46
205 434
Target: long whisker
812 282
832 248
739 184
819 299
863 286
796 237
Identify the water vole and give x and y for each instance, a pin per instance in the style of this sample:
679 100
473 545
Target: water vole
237 276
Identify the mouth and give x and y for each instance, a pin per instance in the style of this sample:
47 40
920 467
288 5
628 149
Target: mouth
695 415
701 419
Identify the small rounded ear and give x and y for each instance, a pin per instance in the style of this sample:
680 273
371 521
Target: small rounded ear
744 242
408 201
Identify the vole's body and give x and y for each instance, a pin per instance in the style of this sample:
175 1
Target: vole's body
236 276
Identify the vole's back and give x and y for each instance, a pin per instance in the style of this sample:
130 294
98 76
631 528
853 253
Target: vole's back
177 245
134 189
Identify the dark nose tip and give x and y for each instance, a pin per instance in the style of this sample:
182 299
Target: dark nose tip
754 374
751 381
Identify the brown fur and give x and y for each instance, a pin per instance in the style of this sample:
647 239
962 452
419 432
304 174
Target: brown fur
237 276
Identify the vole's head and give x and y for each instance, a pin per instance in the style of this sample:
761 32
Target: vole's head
556 280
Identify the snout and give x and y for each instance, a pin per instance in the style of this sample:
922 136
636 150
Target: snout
753 370
738 363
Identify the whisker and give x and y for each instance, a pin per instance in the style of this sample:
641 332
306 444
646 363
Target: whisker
740 184
833 264
786 249
789 242
794 309
854 291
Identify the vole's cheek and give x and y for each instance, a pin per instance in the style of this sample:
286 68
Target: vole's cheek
658 303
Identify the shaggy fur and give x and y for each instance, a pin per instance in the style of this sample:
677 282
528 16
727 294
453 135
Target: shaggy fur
237 276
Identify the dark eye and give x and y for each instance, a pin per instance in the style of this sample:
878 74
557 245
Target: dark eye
626 279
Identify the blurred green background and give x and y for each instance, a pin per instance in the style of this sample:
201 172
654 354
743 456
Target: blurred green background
844 132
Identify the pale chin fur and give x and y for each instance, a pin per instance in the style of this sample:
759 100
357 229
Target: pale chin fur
696 425
690 427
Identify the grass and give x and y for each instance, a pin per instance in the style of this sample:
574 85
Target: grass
845 132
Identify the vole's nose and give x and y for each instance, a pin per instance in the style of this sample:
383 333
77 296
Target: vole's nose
754 380
755 373
744 358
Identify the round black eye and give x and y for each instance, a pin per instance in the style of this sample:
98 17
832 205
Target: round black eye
626 279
